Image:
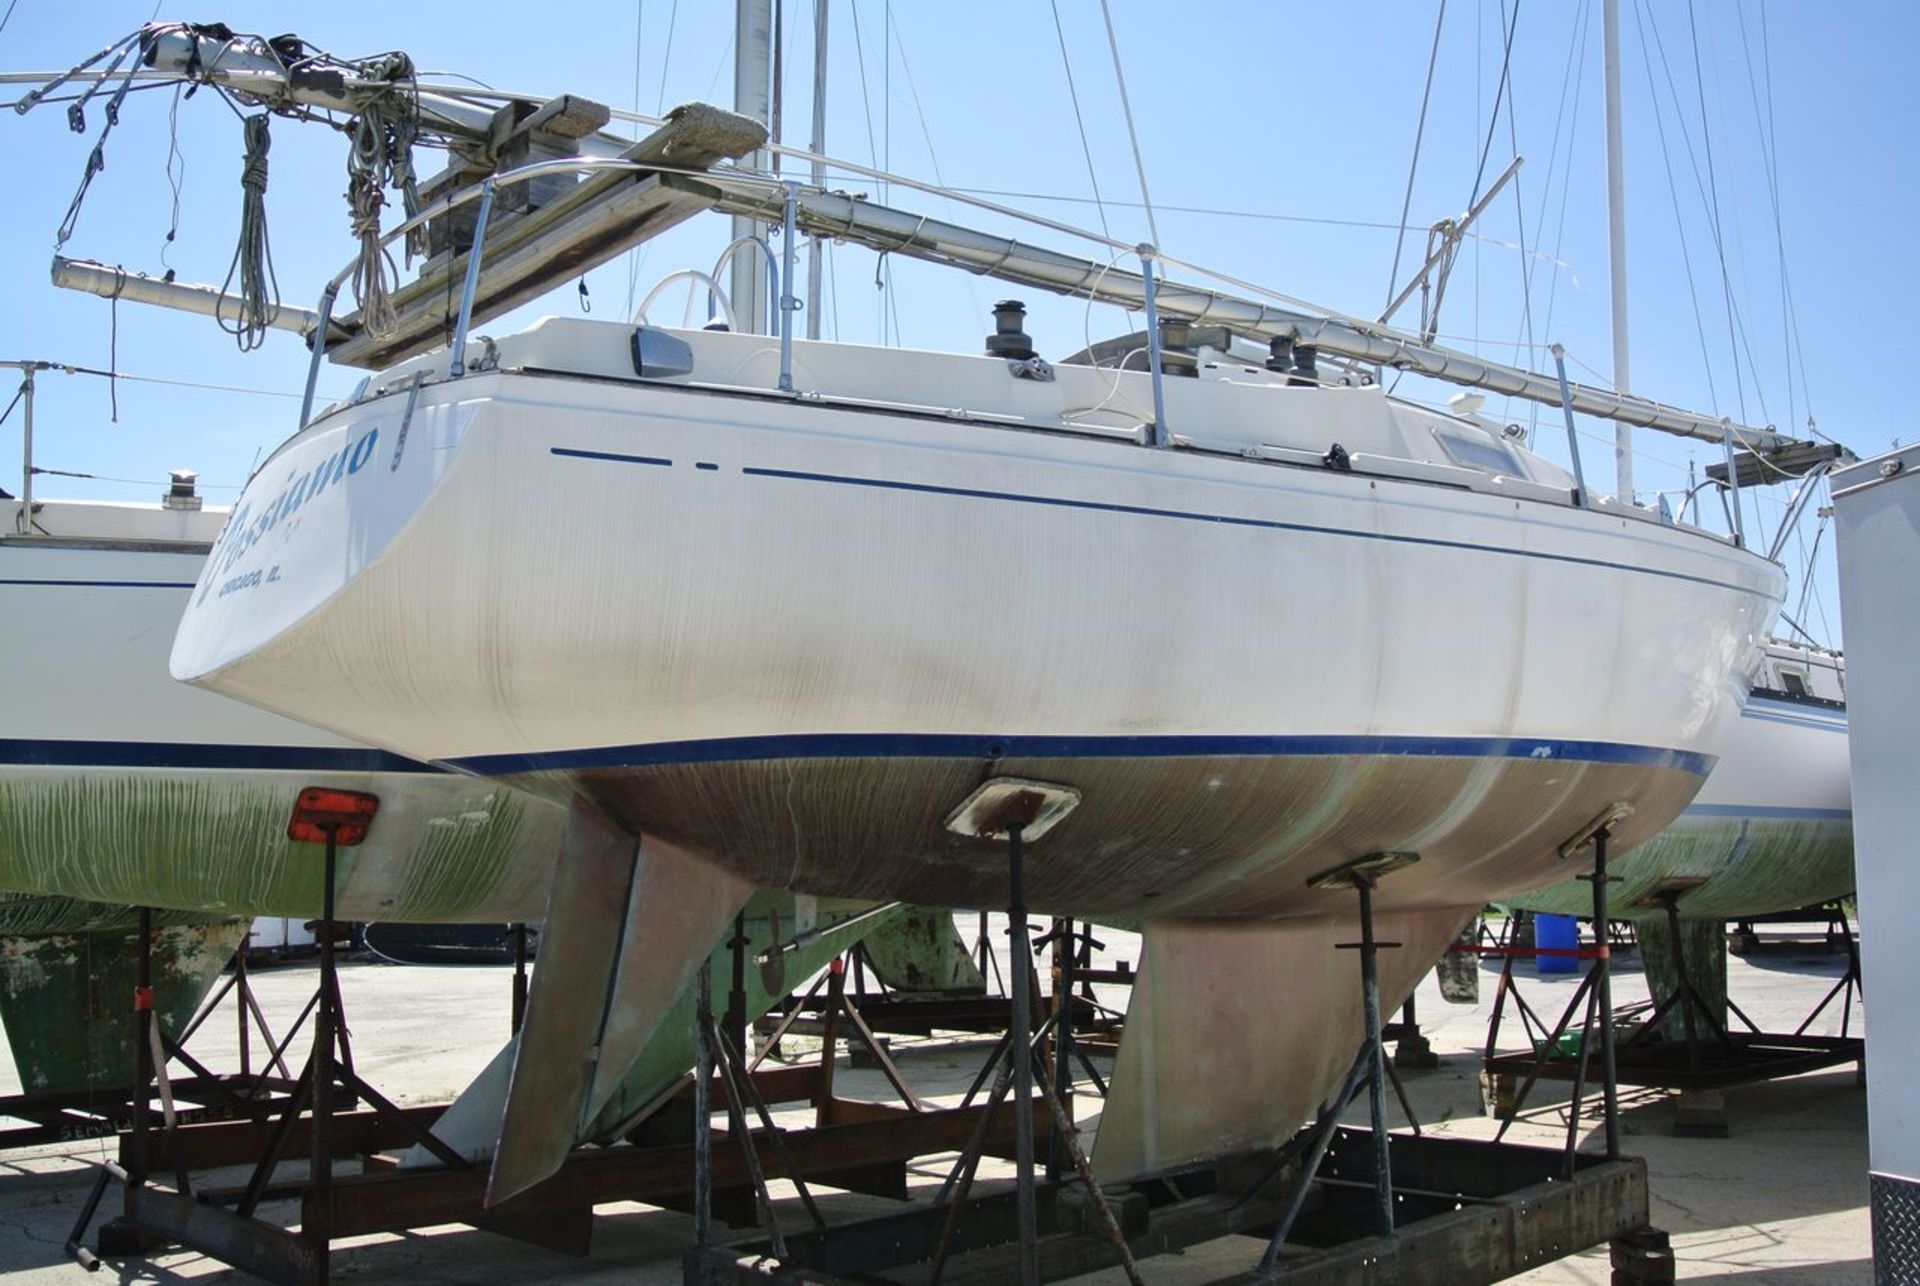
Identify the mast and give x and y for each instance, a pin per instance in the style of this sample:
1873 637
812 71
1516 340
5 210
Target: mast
1617 245
752 89
817 144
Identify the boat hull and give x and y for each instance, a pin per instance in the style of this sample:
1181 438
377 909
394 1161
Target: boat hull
120 786
791 639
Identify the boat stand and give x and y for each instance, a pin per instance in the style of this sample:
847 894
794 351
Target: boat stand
1334 1204
1460 1211
197 1093
1096 1027
1709 1058
153 1216
1743 935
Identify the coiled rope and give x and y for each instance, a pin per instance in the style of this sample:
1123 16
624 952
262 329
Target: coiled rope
375 276
252 265
381 156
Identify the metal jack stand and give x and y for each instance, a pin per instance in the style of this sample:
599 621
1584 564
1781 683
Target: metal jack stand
156 1216
716 1052
1070 946
1020 811
1370 1067
1596 989
519 1013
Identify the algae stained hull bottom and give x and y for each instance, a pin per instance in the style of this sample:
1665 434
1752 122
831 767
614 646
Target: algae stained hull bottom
214 842
1193 835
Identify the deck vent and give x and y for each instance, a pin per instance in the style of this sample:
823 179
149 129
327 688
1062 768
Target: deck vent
1010 339
182 490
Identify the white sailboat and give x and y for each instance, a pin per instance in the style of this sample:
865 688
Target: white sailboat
769 610
784 636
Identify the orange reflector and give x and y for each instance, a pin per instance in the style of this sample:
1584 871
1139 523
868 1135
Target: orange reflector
347 813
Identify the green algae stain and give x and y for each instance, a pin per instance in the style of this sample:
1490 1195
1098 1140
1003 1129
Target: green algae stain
214 845
457 866
210 844
1729 868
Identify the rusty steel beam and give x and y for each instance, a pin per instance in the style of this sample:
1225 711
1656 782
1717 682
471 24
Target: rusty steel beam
401 1199
270 1253
1471 1213
221 1143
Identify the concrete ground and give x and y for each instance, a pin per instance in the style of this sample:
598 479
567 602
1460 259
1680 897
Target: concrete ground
1781 1202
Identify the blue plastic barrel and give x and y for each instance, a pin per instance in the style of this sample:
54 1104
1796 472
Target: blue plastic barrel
1561 932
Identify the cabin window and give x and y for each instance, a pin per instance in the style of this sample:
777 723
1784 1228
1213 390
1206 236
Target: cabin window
1793 684
1477 451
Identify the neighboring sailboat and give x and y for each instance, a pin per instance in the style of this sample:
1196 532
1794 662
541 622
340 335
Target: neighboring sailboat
120 787
1772 828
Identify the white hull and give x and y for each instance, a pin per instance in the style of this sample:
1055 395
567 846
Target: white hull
118 785
791 637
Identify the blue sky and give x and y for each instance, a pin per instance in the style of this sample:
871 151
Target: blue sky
1302 115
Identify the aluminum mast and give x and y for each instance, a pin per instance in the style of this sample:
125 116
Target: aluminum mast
752 97
1617 245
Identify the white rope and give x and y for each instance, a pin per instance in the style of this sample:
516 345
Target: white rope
1126 109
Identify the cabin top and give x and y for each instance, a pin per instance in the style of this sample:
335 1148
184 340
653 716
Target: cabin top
1221 397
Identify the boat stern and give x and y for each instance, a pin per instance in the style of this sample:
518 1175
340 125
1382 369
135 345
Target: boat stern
312 519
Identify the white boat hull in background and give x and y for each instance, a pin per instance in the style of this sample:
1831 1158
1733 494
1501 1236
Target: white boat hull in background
120 786
1772 828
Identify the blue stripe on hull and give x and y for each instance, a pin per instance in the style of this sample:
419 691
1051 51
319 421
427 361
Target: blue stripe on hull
1770 812
963 746
154 754
99 584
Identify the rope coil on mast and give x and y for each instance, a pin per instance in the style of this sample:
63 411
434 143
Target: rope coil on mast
252 256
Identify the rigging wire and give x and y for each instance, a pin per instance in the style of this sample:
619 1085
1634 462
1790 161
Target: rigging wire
176 176
1708 201
1673 191
1786 280
1574 76
1735 332
933 155
1419 133
1769 137
873 148
1079 120
1499 95
1126 109
1519 206
633 255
